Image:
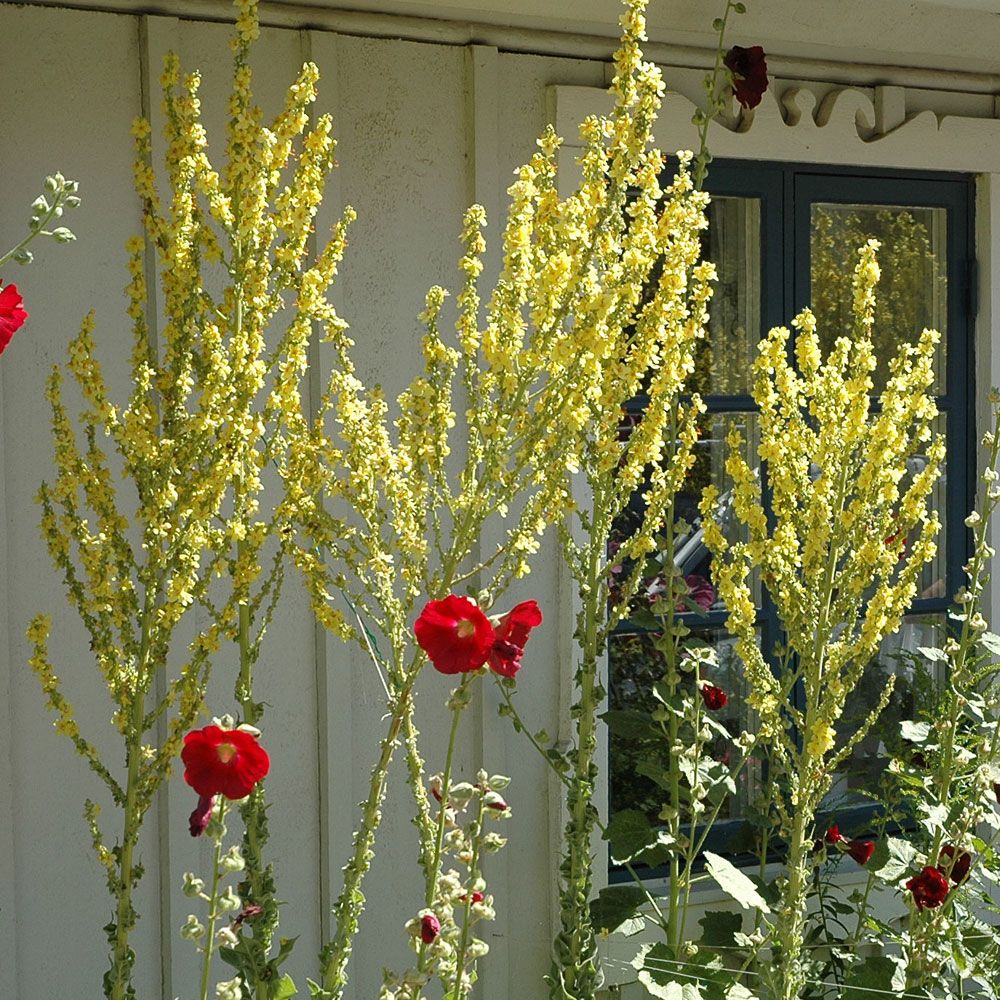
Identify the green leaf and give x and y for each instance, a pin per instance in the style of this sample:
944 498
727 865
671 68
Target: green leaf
632 838
284 988
285 946
871 979
631 724
915 732
733 882
658 978
615 905
990 641
718 928
892 859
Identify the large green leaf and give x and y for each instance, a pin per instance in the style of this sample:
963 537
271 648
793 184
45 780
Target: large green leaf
733 882
718 928
892 859
615 905
662 976
284 989
634 838
872 979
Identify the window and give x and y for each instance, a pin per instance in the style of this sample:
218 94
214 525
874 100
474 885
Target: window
776 230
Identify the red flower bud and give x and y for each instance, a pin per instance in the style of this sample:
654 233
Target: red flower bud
833 835
512 631
929 888
714 697
430 927
477 897
198 820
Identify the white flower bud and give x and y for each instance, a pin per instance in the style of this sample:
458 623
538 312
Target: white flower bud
227 938
39 205
232 860
229 901
229 989
193 886
193 928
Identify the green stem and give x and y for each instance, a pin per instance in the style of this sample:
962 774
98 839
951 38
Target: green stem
121 963
460 700
457 992
213 912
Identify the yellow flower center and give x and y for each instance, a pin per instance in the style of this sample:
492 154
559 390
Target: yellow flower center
465 628
226 752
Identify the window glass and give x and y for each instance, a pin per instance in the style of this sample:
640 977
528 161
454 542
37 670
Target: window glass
913 291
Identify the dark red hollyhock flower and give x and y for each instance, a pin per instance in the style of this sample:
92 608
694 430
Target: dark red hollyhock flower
996 790
960 869
223 761
430 927
198 820
700 591
749 69
512 632
929 888
12 315
456 636
833 835
861 850
714 697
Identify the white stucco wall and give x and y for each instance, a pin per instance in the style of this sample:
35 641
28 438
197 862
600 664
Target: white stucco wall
423 129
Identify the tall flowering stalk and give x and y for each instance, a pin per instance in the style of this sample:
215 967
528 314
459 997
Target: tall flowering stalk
193 440
849 485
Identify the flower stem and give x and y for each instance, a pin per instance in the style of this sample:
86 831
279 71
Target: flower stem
213 912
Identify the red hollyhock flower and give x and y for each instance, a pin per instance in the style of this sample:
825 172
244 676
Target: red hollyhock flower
749 69
198 820
12 315
430 927
477 897
861 850
833 835
929 888
223 761
960 868
700 591
456 636
512 632
714 697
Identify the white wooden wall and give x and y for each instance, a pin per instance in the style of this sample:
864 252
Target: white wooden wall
423 129
405 115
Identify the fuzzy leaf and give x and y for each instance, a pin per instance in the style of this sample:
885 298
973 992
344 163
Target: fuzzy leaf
284 988
718 928
659 977
616 905
915 732
632 838
871 979
631 724
733 882
892 859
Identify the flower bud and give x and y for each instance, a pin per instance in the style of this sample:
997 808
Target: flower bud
193 886
227 938
63 235
229 901
233 861
72 201
229 989
24 256
39 205
193 928
51 185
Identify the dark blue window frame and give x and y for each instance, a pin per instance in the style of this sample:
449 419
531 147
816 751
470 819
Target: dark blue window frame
786 193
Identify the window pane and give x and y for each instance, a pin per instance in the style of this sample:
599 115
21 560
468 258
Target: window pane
913 291
916 683
690 554
635 666
732 243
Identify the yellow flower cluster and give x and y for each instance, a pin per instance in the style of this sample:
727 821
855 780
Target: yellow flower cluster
196 433
841 555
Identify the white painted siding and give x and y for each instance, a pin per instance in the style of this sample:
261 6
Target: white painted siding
423 129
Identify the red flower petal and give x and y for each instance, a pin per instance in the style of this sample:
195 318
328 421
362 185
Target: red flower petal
512 633
749 69
861 850
430 927
455 635
833 835
714 697
12 315
960 868
226 762
929 888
